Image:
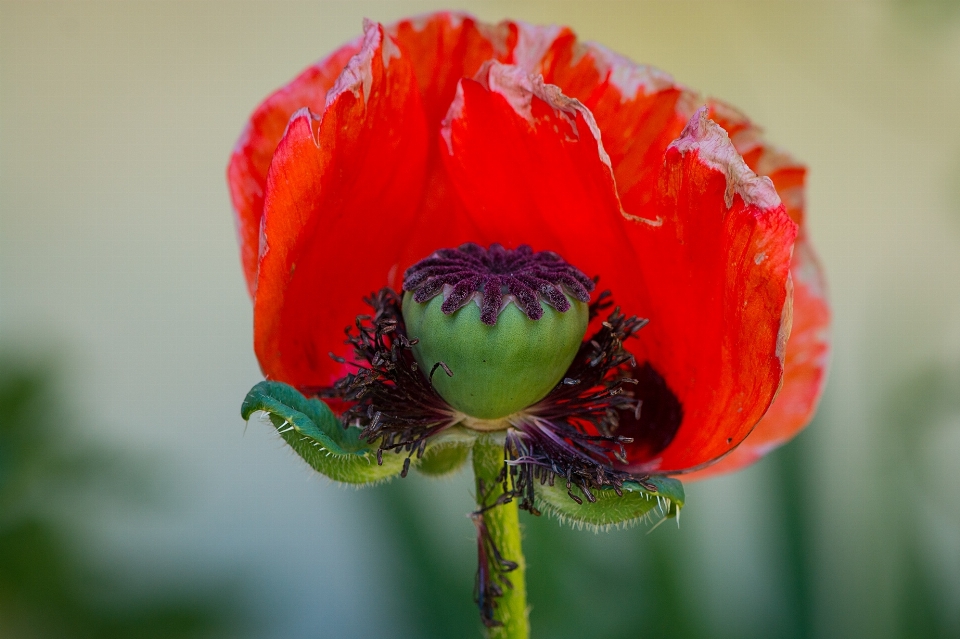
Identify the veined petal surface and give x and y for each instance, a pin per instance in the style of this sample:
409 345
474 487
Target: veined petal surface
338 185
714 249
250 161
528 164
808 350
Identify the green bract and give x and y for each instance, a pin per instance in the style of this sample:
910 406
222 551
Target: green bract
634 506
500 369
318 436
315 433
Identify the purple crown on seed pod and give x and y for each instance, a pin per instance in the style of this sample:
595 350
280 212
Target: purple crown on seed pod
495 277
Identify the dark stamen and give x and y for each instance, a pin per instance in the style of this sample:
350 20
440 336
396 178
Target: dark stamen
394 402
443 365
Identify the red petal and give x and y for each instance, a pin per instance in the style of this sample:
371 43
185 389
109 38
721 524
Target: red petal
639 109
788 175
247 171
338 203
528 164
505 204
805 366
714 251
808 350
445 47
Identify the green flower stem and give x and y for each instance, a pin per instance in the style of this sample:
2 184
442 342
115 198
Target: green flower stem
503 524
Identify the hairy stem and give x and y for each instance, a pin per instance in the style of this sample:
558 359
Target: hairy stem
499 547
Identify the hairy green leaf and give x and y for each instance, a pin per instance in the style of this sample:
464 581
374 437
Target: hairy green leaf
635 505
315 433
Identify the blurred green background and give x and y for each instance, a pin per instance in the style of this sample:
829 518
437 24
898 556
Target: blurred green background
134 502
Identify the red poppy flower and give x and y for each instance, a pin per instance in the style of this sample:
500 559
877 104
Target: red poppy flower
442 130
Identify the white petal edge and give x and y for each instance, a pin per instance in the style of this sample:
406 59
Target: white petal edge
519 87
714 148
357 76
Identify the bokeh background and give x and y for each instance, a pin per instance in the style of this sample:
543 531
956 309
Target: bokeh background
134 502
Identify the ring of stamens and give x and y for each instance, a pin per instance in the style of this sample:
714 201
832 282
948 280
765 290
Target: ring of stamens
396 407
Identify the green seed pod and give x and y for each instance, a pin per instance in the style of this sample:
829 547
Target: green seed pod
496 370
503 325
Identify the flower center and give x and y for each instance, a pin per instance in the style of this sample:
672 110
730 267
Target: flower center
570 434
509 348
